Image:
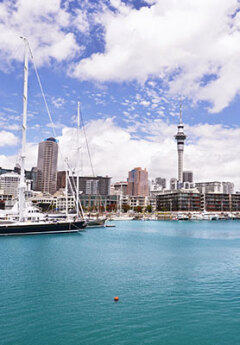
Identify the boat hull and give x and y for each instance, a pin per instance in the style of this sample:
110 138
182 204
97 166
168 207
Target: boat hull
41 228
96 223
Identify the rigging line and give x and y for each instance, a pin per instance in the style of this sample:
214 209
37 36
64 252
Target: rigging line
42 92
74 188
89 154
85 136
48 111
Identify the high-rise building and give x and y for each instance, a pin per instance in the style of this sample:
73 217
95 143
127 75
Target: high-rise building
47 166
138 182
180 137
188 176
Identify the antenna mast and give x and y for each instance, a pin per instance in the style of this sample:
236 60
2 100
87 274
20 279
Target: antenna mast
180 114
22 184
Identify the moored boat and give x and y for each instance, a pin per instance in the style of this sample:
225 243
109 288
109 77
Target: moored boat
24 218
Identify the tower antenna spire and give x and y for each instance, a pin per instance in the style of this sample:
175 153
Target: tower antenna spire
180 114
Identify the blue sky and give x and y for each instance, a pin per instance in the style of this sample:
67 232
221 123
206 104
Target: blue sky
130 64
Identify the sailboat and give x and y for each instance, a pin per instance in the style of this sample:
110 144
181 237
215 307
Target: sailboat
23 222
91 222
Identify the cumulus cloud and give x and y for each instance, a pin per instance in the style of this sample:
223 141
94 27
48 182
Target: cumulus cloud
192 45
211 151
46 25
8 139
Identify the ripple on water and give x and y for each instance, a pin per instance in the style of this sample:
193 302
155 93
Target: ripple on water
178 283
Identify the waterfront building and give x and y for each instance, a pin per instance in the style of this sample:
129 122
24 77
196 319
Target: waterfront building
180 138
190 200
134 201
99 185
9 183
188 176
47 166
215 187
217 202
235 202
179 200
138 182
88 185
119 188
88 202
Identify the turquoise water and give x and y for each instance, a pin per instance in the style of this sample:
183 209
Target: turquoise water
177 282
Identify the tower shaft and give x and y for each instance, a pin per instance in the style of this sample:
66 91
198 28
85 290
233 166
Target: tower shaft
180 138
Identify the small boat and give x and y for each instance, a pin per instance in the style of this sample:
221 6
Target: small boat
182 216
96 223
210 216
122 218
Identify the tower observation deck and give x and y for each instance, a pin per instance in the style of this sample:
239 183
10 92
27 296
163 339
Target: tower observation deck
180 138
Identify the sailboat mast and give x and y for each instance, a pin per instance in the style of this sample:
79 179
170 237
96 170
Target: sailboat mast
22 185
66 194
78 150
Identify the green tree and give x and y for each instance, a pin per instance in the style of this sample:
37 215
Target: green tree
149 208
126 208
138 209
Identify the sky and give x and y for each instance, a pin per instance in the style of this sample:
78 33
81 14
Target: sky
130 64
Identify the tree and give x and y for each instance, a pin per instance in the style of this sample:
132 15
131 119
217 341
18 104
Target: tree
125 208
138 209
148 208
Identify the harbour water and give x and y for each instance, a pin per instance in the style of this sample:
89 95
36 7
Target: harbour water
178 283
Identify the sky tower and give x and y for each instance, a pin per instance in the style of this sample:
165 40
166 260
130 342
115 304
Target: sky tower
180 137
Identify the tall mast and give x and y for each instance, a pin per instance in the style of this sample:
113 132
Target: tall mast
22 185
66 193
78 150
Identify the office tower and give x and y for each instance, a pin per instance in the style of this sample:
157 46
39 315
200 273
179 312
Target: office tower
180 137
47 166
188 176
138 182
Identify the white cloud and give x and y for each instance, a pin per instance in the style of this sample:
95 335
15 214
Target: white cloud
58 102
44 23
8 139
211 151
145 103
183 42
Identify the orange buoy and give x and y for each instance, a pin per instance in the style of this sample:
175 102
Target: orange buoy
116 298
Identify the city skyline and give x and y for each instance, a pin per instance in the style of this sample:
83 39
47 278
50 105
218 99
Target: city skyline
131 115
